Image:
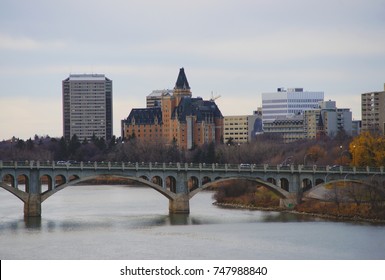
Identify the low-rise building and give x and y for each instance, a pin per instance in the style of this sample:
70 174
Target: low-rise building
327 120
242 128
289 128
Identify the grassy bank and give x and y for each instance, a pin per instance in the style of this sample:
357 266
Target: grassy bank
248 196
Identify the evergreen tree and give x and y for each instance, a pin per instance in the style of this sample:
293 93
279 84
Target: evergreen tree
62 151
73 145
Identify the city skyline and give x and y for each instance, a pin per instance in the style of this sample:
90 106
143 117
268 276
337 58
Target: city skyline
337 47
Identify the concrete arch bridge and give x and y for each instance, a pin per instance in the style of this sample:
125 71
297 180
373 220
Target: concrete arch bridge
33 181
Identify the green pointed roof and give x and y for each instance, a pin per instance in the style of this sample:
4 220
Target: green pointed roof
181 82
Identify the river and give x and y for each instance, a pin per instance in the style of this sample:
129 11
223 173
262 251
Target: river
120 222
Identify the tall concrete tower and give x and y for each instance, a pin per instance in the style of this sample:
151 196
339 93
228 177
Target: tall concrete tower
87 106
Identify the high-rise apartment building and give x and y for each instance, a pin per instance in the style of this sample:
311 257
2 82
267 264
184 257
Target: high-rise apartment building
87 106
288 102
373 111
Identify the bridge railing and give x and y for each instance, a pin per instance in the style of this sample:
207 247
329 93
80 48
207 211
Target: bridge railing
242 168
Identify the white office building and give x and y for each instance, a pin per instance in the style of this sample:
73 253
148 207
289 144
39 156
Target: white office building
87 106
289 102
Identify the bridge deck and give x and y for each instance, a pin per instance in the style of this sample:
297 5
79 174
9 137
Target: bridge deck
192 167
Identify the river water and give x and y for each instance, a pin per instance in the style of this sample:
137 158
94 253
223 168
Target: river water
120 222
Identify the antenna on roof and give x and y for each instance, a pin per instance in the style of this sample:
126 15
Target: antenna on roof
214 98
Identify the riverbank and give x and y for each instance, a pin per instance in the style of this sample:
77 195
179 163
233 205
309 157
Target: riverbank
328 216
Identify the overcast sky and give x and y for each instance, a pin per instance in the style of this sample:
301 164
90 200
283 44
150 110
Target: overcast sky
237 49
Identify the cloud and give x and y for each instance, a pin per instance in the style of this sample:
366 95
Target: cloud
24 43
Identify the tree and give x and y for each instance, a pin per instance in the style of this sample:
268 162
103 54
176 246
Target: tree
73 145
368 150
210 155
315 153
30 145
20 144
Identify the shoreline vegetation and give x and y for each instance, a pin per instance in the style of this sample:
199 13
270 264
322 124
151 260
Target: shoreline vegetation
251 197
333 217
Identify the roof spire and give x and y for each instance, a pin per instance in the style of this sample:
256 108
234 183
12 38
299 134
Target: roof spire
181 82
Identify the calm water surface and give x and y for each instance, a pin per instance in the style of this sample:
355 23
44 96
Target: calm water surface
117 222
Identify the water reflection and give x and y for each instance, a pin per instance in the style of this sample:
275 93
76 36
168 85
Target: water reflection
286 217
32 222
135 224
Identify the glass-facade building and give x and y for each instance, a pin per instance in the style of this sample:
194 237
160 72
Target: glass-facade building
289 102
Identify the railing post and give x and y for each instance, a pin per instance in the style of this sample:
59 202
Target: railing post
95 165
122 166
1 164
265 167
150 166
109 165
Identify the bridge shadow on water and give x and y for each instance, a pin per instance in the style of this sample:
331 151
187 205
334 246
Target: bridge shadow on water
109 223
138 222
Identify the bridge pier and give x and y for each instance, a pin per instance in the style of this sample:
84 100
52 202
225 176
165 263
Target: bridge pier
32 206
180 204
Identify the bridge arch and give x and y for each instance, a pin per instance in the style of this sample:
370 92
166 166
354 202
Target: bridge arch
205 180
144 177
171 183
170 195
319 181
272 180
306 184
9 179
157 180
47 180
284 184
23 178
23 196
60 180
278 191
193 183
339 189
73 177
